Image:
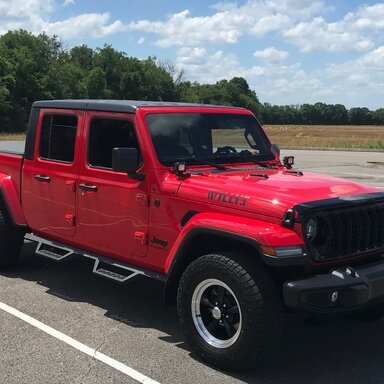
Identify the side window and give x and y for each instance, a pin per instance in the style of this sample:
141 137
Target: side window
57 138
106 134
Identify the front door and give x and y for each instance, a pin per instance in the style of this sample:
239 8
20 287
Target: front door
112 208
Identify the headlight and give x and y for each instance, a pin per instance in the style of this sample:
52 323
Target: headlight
310 229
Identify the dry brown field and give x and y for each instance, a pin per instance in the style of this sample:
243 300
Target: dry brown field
12 136
327 136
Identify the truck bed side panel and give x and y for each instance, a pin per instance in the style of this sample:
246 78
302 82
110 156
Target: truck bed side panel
10 164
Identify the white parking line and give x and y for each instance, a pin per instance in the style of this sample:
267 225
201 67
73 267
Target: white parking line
79 346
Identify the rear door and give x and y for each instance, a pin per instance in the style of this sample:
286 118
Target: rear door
112 208
49 179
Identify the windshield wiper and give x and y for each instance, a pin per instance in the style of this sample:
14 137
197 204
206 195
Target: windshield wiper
248 157
203 161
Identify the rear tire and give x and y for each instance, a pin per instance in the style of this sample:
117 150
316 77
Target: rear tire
230 310
11 241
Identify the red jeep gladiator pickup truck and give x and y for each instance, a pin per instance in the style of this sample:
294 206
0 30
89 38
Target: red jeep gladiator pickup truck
197 197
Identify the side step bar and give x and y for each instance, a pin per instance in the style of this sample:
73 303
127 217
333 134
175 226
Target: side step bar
121 275
109 268
53 251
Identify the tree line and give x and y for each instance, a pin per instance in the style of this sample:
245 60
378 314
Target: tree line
40 67
320 113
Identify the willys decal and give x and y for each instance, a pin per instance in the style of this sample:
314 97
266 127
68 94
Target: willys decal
229 198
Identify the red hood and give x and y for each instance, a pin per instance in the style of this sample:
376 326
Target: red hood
267 192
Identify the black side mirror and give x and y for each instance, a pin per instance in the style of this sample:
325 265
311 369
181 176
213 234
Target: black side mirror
127 160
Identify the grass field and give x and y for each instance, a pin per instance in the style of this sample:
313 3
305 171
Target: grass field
310 136
12 136
327 136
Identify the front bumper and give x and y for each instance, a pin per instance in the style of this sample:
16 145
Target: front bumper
340 290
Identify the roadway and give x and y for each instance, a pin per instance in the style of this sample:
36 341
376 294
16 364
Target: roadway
137 335
364 167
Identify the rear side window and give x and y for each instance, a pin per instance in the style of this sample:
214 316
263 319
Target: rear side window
57 139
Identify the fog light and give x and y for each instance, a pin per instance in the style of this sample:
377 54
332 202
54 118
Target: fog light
288 161
334 297
180 169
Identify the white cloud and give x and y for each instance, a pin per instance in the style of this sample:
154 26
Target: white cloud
374 60
225 6
271 54
367 69
68 2
205 66
181 29
270 23
228 23
351 83
297 9
357 82
26 14
22 9
355 32
208 67
299 22
332 37
33 15
368 17
85 25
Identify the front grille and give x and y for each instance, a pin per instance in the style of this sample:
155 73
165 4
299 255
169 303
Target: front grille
348 232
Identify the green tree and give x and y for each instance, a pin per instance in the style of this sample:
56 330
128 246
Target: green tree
378 116
65 81
235 92
7 80
5 107
158 83
187 92
28 59
82 57
176 73
276 114
340 114
111 62
360 116
96 83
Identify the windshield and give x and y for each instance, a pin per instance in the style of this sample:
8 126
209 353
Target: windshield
217 138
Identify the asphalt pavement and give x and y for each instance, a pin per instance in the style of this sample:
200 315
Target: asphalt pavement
363 167
130 326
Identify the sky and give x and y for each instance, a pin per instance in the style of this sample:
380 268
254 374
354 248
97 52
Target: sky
290 51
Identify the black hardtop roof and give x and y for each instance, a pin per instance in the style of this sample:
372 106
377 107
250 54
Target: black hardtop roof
114 105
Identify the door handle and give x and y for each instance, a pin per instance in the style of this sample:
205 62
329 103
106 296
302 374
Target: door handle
43 178
88 187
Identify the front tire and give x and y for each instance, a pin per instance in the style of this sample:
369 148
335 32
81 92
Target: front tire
229 310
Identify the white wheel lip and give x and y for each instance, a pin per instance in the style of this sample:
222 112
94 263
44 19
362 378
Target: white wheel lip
199 324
